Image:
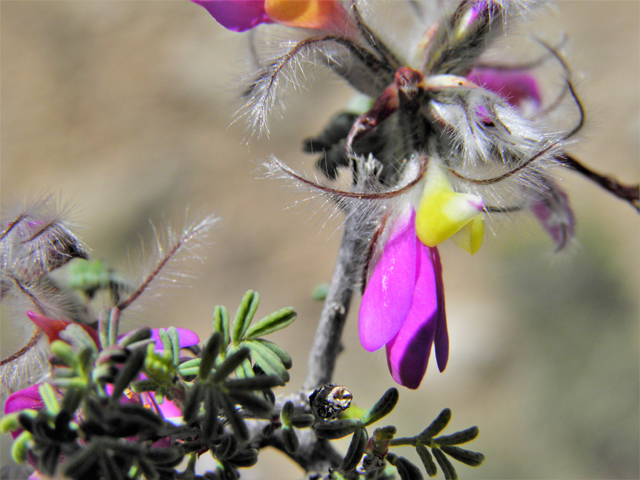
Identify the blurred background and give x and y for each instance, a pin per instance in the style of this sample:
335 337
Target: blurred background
123 109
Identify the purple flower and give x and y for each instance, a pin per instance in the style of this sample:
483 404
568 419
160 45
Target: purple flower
403 305
515 86
241 15
187 338
27 398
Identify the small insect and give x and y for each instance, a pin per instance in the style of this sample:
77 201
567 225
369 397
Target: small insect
329 401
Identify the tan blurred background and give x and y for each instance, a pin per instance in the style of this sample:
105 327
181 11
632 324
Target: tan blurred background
123 108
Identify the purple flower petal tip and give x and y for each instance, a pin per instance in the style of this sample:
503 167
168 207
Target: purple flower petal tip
187 338
236 15
515 86
387 298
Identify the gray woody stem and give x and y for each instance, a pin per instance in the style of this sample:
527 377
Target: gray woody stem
326 344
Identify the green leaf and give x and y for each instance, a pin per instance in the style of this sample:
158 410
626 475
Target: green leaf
473 459
271 323
230 363
221 324
302 420
48 395
290 440
232 415
407 470
20 447
245 458
268 361
445 465
244 315
261 382
209 354
192 400
127 373
427 460
137 335
284 357
286 414
336 429
258 406
355 450
457 438
436 426
383 407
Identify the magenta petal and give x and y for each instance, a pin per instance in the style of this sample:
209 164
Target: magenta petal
388 295
442 333
408 353
514 86
236 15
553 211
187 338
26 398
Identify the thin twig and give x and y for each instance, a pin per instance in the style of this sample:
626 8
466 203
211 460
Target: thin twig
326 343
629 193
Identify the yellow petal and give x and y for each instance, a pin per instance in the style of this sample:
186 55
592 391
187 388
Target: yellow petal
319 14
443 212
469 237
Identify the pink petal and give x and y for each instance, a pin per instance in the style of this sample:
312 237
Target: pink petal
52 327
553 211
408 353
442 333
236 15
514 86
387 297
187 338
26 398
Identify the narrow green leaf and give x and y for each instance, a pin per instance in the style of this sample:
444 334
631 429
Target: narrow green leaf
286 414
79 464
245 458
136 335
407 470
221 324
271 323
103 329
175 344
290 440
114 325
336 429
303 420
48 395
427 460
268 361
458 438
261 382
64 352
209 354
473 459
230 363
127 373
258 406
210 422
244 315
232 415
383 407
20 447
166 341
192 400
436 426
355 450
284 357
447 468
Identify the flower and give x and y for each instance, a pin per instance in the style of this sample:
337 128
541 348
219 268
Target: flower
242 15
403 305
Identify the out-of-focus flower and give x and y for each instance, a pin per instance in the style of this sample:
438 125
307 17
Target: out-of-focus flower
241 15
403 305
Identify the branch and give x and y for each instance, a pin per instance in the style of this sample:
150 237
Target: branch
629 193
326 343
